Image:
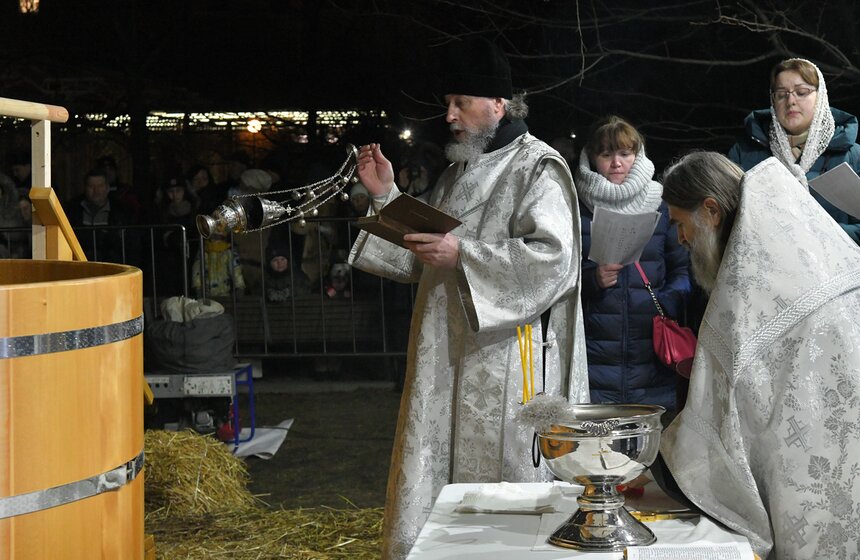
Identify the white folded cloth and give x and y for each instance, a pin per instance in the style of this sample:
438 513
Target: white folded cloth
504 497
180 309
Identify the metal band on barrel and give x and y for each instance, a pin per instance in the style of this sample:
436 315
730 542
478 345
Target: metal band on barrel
47 343
31 502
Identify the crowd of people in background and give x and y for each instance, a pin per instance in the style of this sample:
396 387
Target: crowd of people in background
116 223
294 259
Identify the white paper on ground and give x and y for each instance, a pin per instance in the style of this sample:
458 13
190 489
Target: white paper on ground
265 443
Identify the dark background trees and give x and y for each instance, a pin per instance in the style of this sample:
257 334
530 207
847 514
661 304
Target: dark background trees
686 72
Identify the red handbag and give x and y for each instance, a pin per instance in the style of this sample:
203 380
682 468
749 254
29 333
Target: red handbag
674 345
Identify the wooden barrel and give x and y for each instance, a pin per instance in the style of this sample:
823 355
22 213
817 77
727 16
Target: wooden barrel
71 410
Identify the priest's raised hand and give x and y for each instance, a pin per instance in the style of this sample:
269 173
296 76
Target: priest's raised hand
374 170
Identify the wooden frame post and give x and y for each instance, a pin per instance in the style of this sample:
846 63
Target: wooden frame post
53 237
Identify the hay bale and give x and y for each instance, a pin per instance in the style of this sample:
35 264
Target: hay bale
188 474
316 534
198 507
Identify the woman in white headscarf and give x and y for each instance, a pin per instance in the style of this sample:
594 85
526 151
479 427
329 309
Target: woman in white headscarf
803 131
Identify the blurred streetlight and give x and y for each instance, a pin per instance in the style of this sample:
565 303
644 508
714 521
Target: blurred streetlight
28 6
254 126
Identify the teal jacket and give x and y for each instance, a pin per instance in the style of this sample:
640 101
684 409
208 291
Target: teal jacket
754 148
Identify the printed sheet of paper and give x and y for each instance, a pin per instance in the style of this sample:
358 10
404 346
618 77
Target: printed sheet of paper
841 187
620 238
690 552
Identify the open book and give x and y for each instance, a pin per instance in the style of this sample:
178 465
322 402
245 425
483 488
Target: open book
406 214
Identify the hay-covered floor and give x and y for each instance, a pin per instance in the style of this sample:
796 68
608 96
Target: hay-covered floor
321 496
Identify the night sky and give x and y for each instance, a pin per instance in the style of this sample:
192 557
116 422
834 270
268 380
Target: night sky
685 77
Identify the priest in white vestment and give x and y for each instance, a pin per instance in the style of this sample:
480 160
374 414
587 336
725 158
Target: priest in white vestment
515 256
769 440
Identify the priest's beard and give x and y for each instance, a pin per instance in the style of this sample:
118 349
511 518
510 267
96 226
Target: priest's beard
706 254
474 142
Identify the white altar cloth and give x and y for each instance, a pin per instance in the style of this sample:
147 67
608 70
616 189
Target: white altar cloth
451 535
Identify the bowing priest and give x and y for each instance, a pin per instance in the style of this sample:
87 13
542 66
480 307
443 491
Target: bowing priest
515 256
769 440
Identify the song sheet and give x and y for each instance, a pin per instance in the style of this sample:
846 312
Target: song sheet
841 187
620 238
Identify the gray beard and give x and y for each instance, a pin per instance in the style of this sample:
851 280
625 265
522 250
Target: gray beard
473 145
706 255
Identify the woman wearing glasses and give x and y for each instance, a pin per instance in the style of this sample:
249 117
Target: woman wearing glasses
801 130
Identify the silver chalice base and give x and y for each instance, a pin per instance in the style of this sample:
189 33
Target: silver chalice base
604 446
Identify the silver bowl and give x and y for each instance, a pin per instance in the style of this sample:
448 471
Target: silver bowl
604 446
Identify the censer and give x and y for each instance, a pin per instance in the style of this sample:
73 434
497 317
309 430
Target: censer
251 212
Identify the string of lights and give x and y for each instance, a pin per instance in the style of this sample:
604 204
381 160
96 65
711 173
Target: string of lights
253 121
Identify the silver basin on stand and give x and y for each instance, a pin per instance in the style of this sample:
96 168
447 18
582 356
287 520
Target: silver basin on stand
604 446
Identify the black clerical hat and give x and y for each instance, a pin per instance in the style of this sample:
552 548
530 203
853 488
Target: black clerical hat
475 66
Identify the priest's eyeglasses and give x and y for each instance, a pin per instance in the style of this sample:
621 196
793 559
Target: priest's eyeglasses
801 92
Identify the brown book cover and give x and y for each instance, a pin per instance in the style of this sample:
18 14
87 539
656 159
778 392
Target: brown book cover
406 214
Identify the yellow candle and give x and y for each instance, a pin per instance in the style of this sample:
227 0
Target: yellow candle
521 345
531 363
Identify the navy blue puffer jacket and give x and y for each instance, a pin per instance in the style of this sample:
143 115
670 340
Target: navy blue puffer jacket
754 148
622 366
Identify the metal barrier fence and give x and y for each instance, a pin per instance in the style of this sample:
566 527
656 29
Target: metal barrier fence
370 319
